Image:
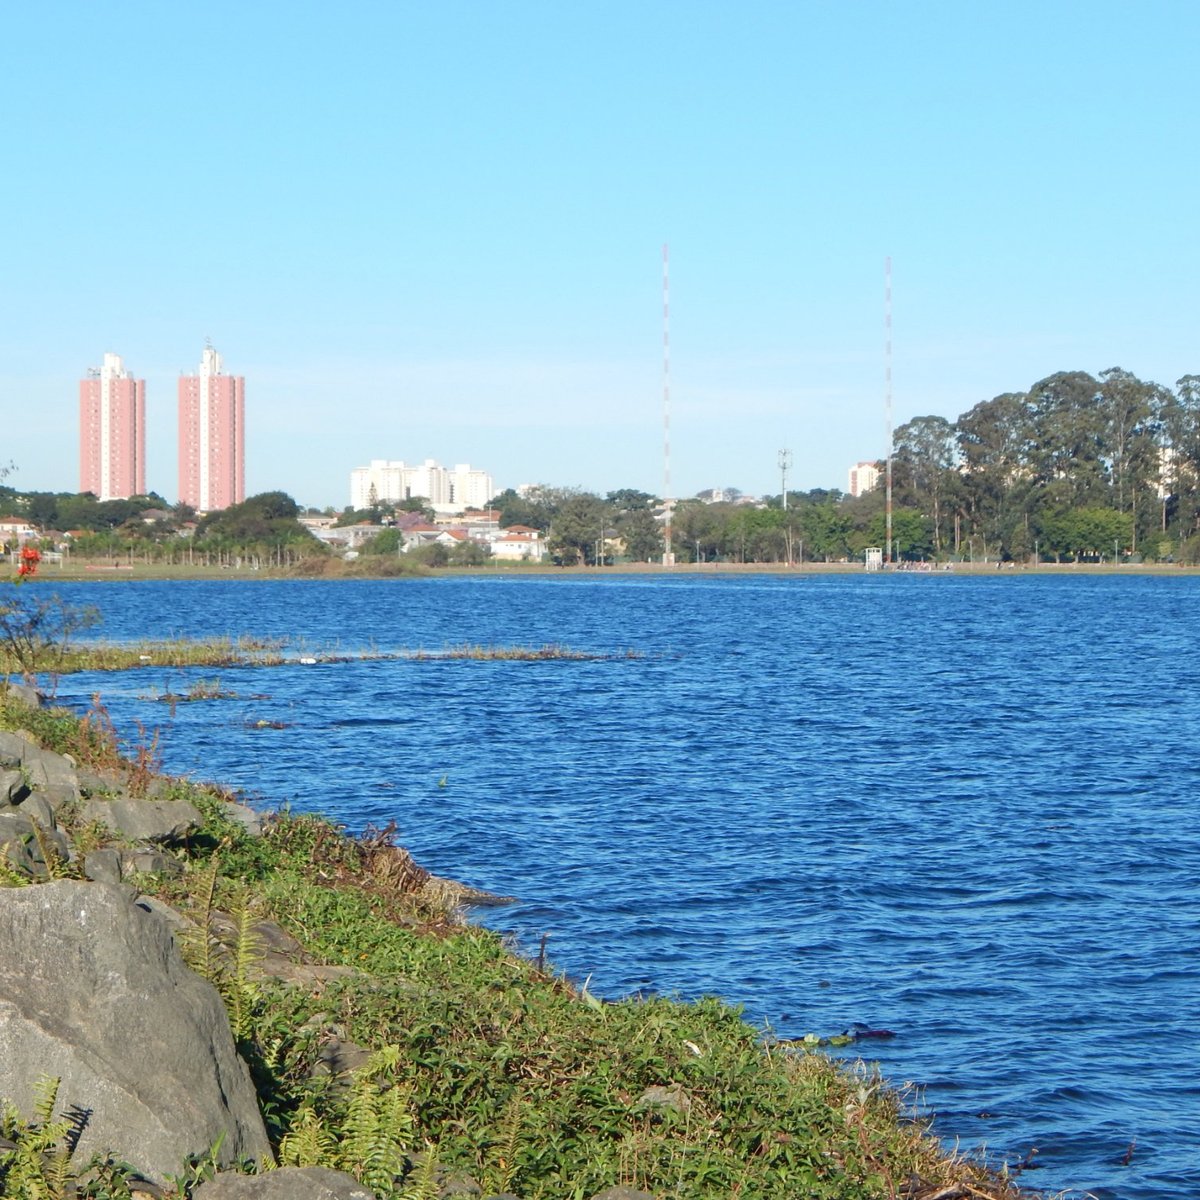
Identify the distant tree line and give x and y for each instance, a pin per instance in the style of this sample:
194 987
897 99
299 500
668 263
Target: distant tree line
1077 467
263 530
1074 467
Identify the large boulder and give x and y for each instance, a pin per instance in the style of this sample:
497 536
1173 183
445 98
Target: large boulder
162 821
22 693
93 992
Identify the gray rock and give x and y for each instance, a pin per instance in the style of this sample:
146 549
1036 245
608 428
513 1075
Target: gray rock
622 1193
162 821
276 940
281 957
38 808
287 1183
159 787
172 916
41 770
337 1057
13 786
457 1183
100 783
147 861
13 747
103 865
23 693
245 816
112 865
22 848
305 975
17 845
93 992
58 794
44 766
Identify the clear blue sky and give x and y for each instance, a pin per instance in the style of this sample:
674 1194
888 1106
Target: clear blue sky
434 230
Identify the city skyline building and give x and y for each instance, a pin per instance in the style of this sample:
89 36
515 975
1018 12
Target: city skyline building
112 431
447 489
864 477
212 441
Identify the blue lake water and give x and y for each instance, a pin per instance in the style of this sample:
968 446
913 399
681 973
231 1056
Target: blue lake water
962 809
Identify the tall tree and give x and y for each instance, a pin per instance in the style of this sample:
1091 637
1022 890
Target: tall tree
825 528
643 538
994 440
1131 410
923 458
1067 443
1179 433
578 528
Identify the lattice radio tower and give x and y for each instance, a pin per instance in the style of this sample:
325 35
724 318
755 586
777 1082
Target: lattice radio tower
887 394
668 555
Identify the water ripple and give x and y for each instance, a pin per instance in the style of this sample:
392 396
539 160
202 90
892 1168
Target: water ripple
960 809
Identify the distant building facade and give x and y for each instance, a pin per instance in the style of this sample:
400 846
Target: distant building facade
212 436
112 432
447 489
864 477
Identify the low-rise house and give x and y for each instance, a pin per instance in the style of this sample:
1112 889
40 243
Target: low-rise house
13 529
425 534
519 543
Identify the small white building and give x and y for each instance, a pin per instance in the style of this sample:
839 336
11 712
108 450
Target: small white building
519 543
14 530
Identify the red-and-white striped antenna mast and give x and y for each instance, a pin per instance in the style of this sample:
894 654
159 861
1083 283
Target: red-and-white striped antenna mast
668 503
887 393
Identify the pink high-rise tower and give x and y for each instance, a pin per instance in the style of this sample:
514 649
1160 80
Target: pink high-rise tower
212 442
112 432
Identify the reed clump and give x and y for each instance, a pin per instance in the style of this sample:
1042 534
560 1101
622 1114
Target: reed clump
180 652
546 653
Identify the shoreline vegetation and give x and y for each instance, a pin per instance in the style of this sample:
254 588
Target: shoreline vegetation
76 571
389 1038
59 659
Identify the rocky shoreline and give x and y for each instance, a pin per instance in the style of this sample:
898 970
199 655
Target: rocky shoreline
164 1031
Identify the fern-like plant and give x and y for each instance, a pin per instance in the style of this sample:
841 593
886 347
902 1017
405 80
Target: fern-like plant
502 1168
308 1143
377 1129
198 945
238 986
39 1165
422 1184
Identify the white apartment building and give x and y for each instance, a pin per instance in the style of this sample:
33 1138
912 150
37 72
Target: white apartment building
864 476
447 489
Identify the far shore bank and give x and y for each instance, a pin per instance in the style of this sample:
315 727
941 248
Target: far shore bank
106 571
